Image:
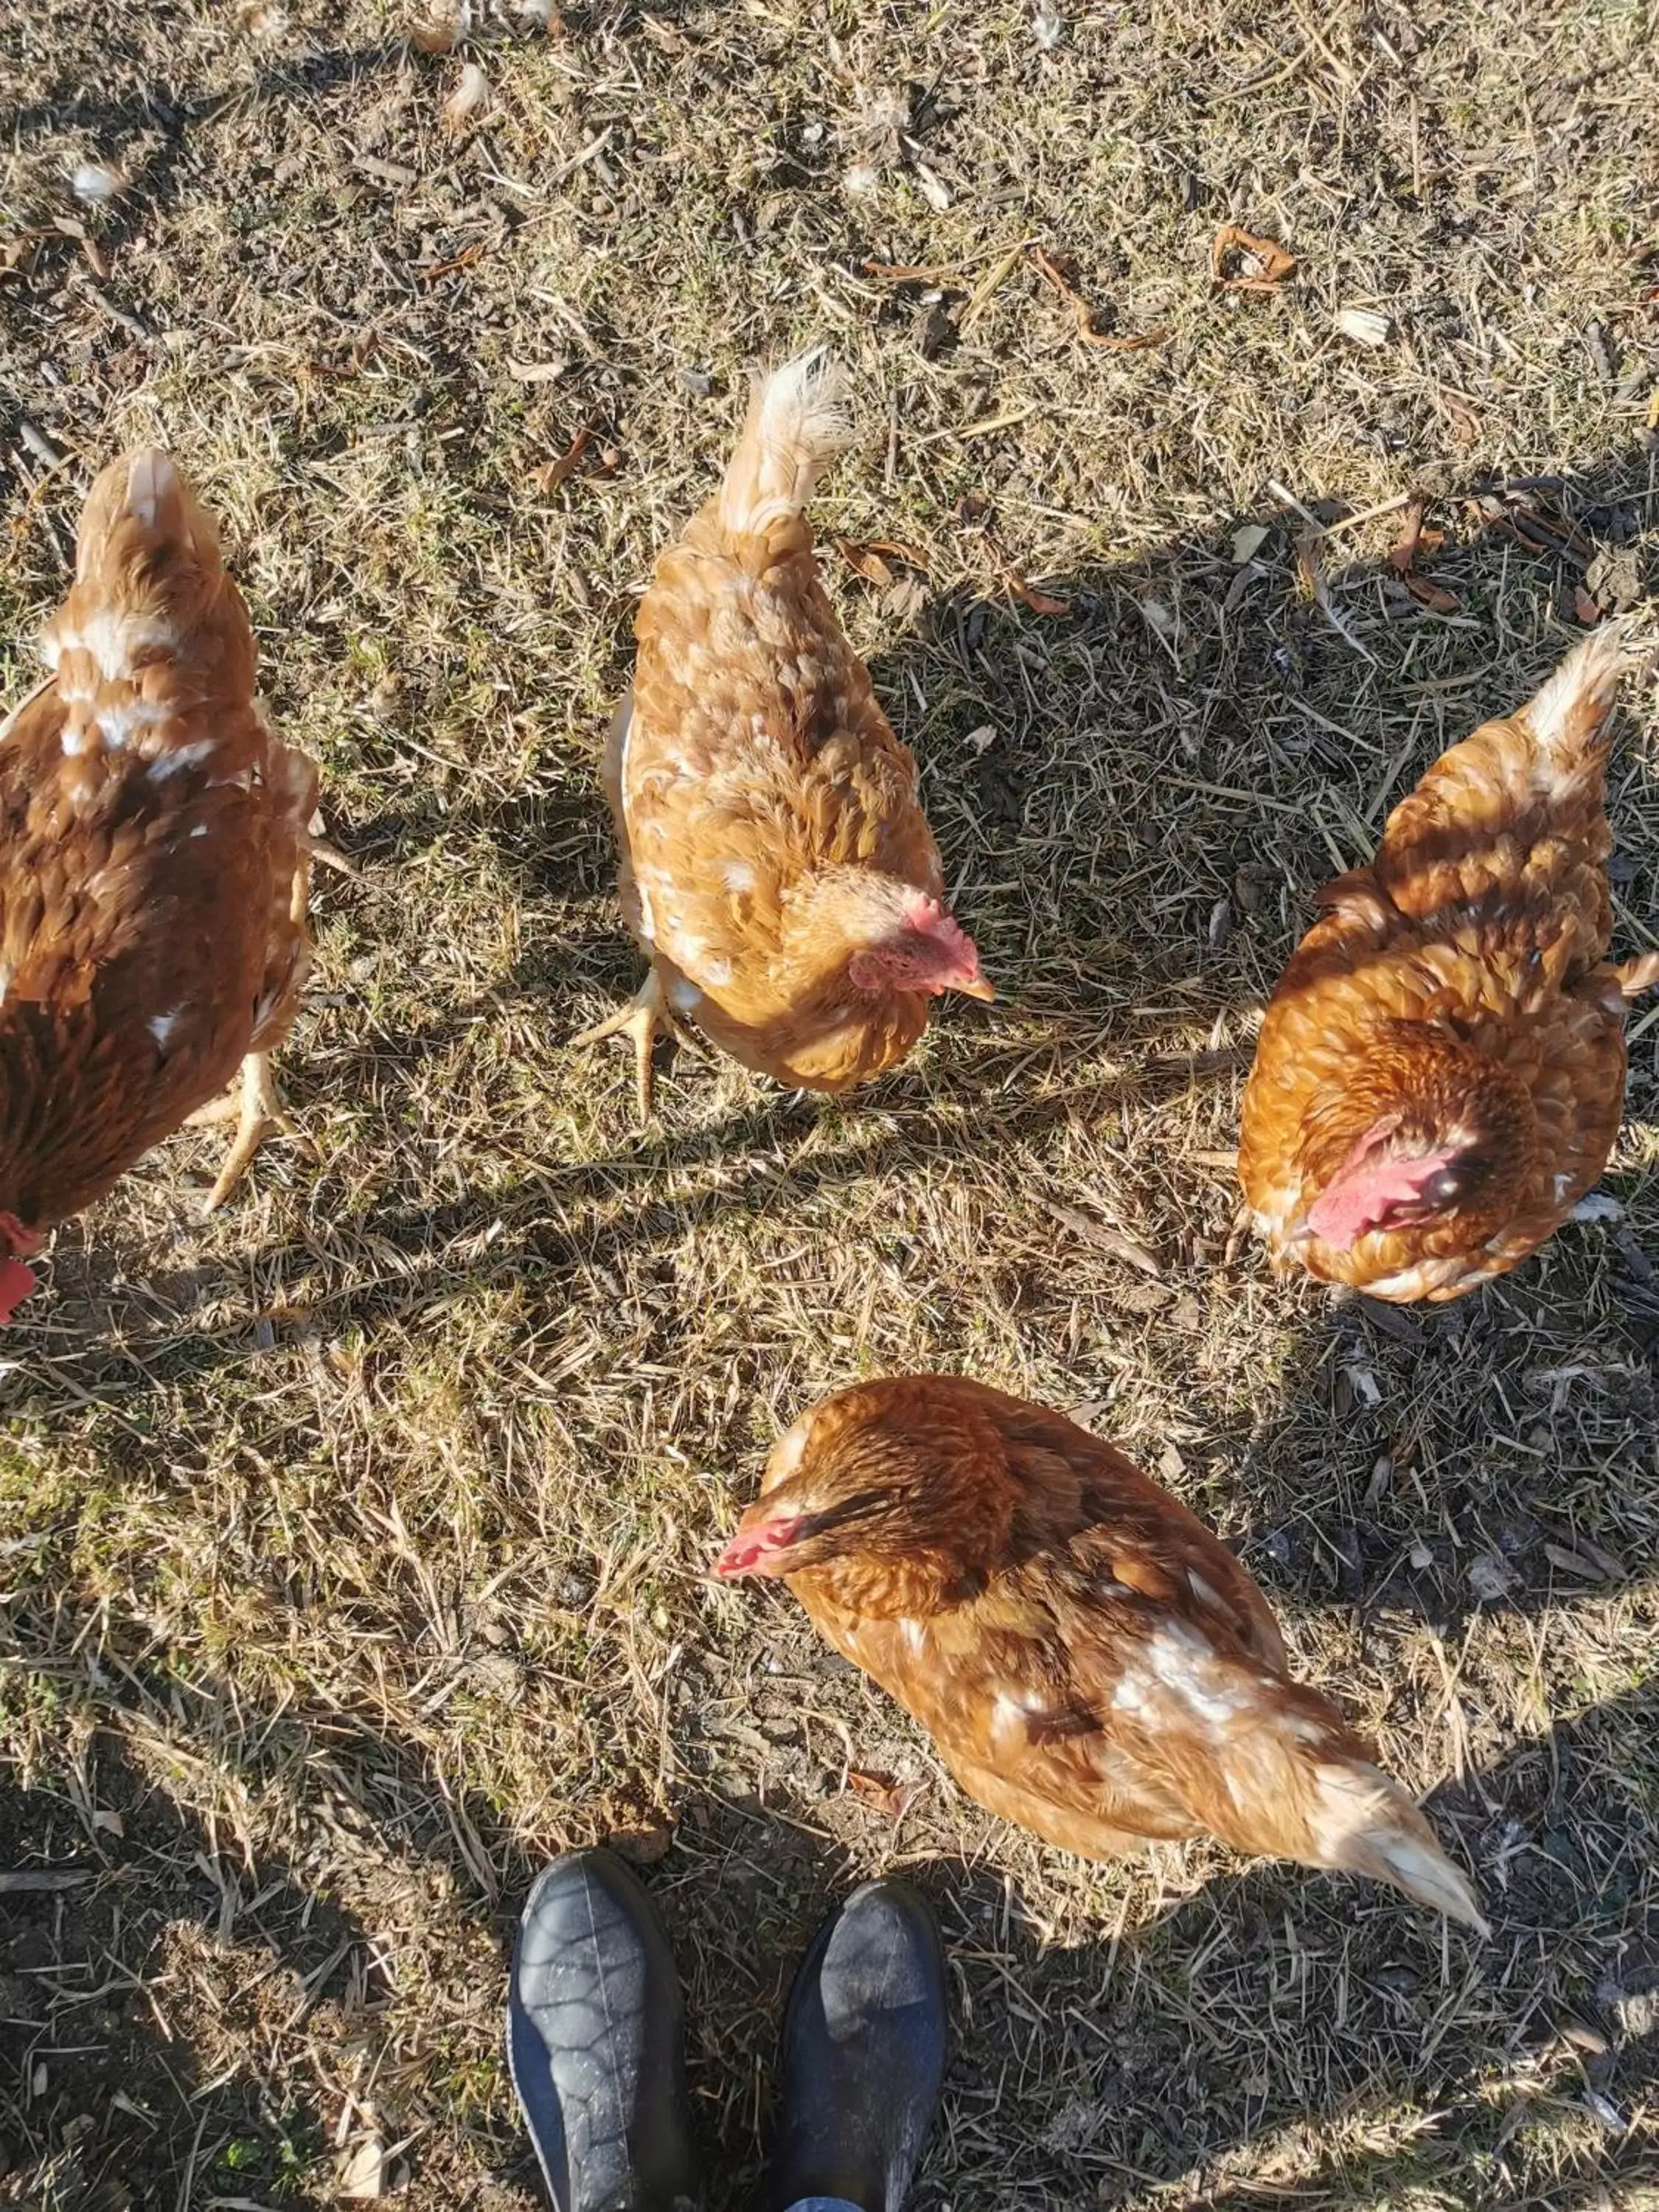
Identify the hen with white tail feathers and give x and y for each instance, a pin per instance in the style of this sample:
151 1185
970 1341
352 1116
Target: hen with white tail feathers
1441 1073
1091 1662
775 862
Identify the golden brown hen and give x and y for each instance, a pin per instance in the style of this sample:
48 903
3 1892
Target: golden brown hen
776 865
1441 1072
1091 1663
154 856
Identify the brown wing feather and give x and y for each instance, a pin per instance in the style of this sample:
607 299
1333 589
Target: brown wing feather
152 855
757 754
1486 915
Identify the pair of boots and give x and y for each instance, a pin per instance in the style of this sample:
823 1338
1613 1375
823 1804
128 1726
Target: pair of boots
596 2043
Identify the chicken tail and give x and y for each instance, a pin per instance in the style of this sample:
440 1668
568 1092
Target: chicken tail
1362 1821
1568 717
798 421
141 520
152 629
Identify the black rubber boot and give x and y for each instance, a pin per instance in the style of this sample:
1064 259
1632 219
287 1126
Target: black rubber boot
595 2040
863 2054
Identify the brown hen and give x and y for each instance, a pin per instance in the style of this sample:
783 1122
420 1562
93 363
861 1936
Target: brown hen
154 851
1091 1663
1441 1072
776 865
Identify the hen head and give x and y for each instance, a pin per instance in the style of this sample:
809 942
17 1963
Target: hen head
896 938
890 1499
16 1280
1431 1131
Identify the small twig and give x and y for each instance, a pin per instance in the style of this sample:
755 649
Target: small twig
120 316
30 1883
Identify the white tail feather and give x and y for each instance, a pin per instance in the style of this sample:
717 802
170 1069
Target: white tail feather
150 476
1362 1821
798 420
1569 710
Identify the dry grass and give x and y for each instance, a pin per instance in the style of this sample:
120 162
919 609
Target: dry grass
352 1546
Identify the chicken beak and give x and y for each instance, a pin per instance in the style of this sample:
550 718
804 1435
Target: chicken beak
979 988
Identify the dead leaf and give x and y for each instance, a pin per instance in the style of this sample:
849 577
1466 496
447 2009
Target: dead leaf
15 252
1584 606
870 558
1435 596
1575 1563
1040 603
468 97
891 1799
1464 427
361 2168
934 190
1413 538
433 34
551 474
1247 541
1056 272
536 372
864 561
1263 263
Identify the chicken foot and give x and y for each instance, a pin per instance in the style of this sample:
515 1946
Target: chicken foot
257 1108
645 1012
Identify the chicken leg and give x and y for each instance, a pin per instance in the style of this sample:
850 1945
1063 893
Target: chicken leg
257 1108
645 1012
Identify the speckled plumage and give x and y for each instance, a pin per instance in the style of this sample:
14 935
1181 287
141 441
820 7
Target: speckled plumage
1091 1663
1461 980
152 855
767 819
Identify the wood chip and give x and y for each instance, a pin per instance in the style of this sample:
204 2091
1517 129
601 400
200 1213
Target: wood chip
1263 263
